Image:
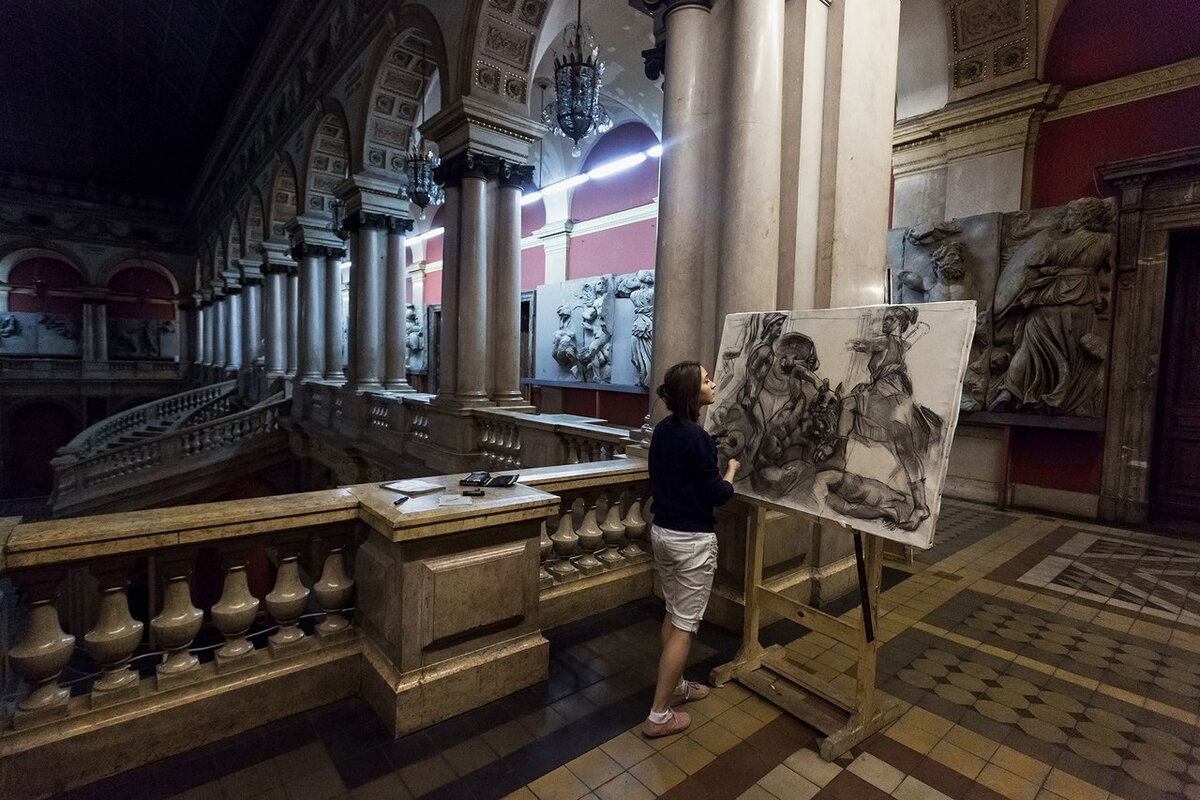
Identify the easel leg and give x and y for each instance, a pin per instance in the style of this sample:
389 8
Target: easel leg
749 655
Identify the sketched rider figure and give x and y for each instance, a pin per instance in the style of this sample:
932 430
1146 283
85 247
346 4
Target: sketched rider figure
686 485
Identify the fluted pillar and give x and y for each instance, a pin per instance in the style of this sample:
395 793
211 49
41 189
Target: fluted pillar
395 328
275 313
505 306
311 319
234 316
749 250
683 193
368 253
334 370
292 334
473 345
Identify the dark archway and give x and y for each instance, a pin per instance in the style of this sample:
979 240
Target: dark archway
35 433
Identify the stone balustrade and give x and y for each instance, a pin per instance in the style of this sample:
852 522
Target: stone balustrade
199 622
166 410
127 475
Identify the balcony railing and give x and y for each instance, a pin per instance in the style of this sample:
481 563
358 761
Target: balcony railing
261 599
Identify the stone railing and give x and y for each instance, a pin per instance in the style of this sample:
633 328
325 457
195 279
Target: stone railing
169 457
57 368
167 409
500 443
216 408
258 609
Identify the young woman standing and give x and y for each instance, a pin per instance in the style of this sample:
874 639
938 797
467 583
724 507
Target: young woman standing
686 485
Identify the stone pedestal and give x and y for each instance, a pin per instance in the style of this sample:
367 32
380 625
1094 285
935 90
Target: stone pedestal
448 602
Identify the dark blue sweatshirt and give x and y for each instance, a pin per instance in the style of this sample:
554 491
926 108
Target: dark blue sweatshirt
684 478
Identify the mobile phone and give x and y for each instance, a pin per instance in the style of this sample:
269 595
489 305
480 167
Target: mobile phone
401 500
503 480
472 492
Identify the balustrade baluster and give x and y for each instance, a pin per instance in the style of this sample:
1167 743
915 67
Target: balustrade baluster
176 626
333 591
285 602
545 549
43 652
614 537
234 613
566 544
635 530
114 638
591 541
572 450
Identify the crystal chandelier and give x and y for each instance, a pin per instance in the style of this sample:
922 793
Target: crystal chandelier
576 112
423 190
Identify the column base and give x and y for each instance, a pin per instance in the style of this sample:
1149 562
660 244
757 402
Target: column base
400 385
512 401
367 387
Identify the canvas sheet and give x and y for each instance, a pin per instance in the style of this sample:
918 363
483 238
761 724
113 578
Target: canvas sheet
845 413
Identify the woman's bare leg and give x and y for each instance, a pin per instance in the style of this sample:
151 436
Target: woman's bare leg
676 645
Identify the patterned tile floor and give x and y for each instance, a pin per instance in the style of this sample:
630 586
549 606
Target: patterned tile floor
1019 672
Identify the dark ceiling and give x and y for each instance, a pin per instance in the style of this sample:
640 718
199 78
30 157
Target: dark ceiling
121 94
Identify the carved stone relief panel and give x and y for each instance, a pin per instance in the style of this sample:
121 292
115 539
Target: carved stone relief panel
1043 284
991 45
414 339
575 323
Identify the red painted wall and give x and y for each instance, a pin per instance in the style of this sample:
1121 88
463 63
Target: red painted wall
628 189
1098 40
533 216
1057 459
134 289
619 408
533 268
1069 150
55 274
616 250
433 247
433 288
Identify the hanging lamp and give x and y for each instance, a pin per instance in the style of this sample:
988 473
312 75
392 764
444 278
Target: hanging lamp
576 112
423 190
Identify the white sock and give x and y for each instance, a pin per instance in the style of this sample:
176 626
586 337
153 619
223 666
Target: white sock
659 717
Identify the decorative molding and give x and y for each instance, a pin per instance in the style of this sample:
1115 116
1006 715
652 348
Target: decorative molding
1130 88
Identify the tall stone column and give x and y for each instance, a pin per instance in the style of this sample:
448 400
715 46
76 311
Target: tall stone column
275 315
90 339
505 306
311 320
334 370
252 314
749 250
447 355
220 331
473 345
395 314
292 334
683 194
186 316
233 353
198 329
210 325
368 253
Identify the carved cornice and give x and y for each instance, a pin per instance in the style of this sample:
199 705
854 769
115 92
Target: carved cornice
1138 86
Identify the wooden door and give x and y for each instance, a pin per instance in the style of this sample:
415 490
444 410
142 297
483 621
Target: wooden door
1175 478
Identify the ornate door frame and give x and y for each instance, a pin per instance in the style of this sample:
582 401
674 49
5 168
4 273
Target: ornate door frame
1159 194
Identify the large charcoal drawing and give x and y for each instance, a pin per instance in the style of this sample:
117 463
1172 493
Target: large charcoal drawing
845 413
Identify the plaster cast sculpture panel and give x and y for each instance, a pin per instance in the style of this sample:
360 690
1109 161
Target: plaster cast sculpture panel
581 344
414 339
32 333
1040 279
638 287
142 338
845 413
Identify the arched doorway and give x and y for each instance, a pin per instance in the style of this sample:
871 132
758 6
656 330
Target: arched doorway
35 433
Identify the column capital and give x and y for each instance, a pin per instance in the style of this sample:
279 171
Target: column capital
373 219
513 175
474 124
93 295
276 256
310 231
469 164
655 60
302 249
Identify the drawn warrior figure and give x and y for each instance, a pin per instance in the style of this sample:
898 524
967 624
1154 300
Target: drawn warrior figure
1054 277
883 411
760 359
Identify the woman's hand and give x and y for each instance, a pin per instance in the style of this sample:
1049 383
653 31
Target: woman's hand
731 469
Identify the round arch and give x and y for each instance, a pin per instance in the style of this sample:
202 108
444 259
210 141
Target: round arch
131 259
283 204
500 48
329 156
19 251
410 50
254 221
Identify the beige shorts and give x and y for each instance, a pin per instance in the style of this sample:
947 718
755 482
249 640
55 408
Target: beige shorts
685 563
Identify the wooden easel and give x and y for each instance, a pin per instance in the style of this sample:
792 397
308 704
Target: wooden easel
845 720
